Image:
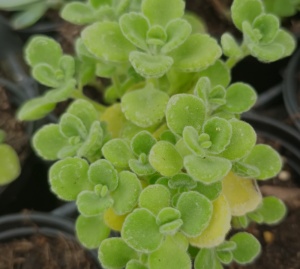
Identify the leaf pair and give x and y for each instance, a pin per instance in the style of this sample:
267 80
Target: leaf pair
78 133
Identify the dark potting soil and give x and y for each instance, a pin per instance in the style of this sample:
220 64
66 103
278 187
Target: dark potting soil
41 252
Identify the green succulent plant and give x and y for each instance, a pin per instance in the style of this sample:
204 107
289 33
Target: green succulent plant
165 160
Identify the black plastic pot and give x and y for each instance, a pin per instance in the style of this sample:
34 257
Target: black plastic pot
24 225
291 89
286 136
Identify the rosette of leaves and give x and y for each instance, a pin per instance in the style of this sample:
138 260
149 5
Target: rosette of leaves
78 133
153 40
10 167
28 12
263 37
96 188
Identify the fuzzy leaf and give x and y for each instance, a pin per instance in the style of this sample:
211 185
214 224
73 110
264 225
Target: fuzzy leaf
191 139
197 53
90 204
266 159
168 215
268 25
106 41
245 11
211 191
155 198
247 247
78 13
242 140
142 142
14 4
48 141
42 49
226 246
177 32
134 264
62 93
91 231
219 131
196 212
134 227
182 180
205 259
225 257
45 74
150 66
185 110
230 46
114 253
165 159
206 170
156 36
102 172
118 152
70 125
161 12
145 107
134 27
10 167
141 168
68 178
272 210
127 193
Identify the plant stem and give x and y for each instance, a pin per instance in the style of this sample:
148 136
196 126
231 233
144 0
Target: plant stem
232 61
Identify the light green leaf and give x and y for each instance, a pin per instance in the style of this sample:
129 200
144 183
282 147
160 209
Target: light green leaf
211 191
165 159
102 172
42 49
135 264
191 139
150 66
114 253
225 257
268 25
181 180
198 52
207 170
161 12
168 215
106 41
35 108
10 167
170 256
266 159
46 75
240 97
142 142
245 11
70 126
177 32
156 36
126 195
48 141
14 4
185 110
230 46
226 246
68 178
155 198
287 41
242 140
118 152
134 227
78 13
67 65
219 131
90 204
62 93
273 210
247 247
196 212
141 168
205 259
145 107
91 231
134 27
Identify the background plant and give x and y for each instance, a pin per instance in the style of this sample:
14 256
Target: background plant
165 160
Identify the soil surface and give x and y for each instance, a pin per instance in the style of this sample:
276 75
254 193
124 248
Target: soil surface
41 252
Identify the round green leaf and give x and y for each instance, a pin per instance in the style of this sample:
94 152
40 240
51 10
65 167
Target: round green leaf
185 110
46 75
266 159
268 25
106 41
141 232
103 172
211 191
197 53
191 139
48 141
207 170
68 178
165 159
161 12
247 247
115 254
272 210
230 46
70 126
242 140
10 167
240 97
142 142
196 212
134 264
182 180
155 198
78 13
145 107
205 259
91 231
127 193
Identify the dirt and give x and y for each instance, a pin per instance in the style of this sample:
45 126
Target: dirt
39 251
